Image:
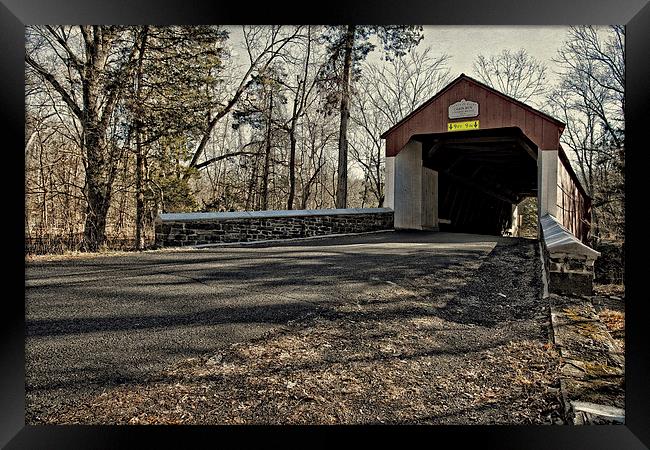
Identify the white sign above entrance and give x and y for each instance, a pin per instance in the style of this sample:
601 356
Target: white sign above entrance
463 108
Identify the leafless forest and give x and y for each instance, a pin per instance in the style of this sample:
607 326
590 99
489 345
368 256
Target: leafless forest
125 122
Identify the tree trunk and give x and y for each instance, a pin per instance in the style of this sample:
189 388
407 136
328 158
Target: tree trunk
267 157
139 196
342 182
252 183
95 121
98 195
97 192
292 146
292 167
139 157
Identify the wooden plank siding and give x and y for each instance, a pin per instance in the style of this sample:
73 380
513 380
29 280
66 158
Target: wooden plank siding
573 203
495 111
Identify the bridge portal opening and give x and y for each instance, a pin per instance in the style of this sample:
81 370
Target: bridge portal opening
483 175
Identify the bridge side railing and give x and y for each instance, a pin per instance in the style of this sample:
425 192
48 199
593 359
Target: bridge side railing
569 263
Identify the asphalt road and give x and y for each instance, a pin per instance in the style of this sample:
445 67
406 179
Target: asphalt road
95 322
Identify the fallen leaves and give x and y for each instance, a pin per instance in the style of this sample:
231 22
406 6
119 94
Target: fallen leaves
613 320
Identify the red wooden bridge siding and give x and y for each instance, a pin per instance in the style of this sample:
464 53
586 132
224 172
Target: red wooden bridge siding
573 203
495 111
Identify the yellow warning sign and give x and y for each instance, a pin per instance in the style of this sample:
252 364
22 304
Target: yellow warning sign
462 126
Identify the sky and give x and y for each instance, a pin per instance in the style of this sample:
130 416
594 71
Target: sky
463 43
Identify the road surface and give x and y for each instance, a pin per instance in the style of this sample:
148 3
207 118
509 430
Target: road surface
96 322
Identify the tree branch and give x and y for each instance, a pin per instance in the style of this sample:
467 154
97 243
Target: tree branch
221 157
56 85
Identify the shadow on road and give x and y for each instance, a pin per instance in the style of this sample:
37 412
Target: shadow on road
123 319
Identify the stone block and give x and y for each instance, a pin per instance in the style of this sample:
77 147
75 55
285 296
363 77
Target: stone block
571 283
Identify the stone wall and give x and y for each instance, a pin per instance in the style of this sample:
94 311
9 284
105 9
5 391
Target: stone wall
177 230
571 274
569 264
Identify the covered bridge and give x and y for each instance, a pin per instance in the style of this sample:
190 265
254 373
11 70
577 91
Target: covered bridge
466 157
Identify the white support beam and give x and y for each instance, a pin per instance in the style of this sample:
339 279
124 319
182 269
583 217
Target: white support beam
408 187
389 183
429 199
412 189
547 161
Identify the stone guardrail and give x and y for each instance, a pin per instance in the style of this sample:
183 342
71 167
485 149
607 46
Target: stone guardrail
192 229
569 264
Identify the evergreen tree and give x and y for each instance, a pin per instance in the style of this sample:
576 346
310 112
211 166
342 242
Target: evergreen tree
348 46
178 69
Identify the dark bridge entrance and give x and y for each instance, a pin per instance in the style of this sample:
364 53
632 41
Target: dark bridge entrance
481 175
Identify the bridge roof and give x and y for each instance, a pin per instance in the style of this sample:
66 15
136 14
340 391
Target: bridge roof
496 110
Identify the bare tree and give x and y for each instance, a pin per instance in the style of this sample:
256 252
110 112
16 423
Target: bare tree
594 63
318 134
516 74
90 81
301 92
590 99
349 45
387 92
399 85
262 45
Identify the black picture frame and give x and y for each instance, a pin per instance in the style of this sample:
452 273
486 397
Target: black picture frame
635 14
